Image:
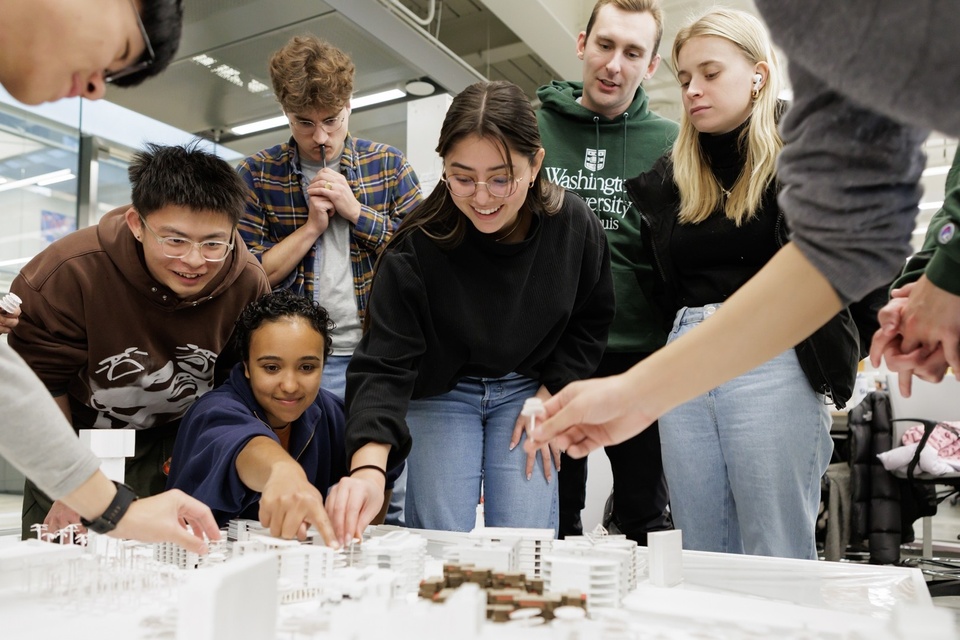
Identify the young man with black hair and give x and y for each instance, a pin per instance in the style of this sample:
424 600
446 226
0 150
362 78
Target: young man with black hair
123 321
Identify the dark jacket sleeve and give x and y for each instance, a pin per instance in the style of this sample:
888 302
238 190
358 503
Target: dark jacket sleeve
204 464
383 369
939 257
579 350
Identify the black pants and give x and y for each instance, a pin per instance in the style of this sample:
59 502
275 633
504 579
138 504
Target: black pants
640 495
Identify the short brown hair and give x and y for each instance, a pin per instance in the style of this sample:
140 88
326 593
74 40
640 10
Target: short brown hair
311 74
632 6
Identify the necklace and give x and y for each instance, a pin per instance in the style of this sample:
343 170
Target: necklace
509 232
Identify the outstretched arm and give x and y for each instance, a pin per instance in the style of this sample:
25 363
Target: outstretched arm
783 304
289 502
160 518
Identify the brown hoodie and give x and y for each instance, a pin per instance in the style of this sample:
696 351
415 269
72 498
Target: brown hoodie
96 325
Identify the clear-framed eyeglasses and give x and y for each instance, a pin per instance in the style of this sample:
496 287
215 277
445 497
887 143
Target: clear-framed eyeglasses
307 127
174 247
145 61
498 186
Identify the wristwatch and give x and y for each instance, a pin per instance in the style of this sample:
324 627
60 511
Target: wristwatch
109 519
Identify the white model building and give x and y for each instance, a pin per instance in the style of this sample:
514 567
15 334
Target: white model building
601 579
402 552
113 447
496 556
531 545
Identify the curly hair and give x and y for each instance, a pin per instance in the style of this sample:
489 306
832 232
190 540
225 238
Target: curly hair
310 74
272 306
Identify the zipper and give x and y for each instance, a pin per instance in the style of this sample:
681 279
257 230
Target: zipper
313 432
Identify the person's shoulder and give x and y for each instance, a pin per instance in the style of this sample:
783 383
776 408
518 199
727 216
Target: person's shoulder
574 213
77 251
331 406
368 148
276 156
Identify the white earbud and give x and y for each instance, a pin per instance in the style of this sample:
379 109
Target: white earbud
757 79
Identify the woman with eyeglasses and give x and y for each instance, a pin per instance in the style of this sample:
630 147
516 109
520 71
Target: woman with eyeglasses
495 289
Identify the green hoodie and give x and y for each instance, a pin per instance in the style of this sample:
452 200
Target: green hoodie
940 256
593 155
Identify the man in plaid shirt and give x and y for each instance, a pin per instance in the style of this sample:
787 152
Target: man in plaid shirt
321 206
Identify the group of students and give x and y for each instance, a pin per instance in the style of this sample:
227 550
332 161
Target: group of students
436 319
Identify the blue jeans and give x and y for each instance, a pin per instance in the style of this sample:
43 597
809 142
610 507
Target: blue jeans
744 461
461 439
334 377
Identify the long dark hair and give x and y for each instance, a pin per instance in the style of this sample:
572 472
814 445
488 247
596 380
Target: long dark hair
499 112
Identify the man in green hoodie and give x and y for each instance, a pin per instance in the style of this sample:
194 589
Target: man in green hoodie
598 133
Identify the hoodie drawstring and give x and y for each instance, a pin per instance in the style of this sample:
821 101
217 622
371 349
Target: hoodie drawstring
623 160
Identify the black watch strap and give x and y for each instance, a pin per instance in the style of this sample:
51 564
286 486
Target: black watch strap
109 519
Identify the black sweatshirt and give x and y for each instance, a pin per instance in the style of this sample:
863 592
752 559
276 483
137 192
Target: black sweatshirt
540 308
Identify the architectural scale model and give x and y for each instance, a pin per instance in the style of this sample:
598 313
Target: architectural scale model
253 586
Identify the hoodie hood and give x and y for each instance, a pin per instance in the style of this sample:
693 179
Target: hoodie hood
563 95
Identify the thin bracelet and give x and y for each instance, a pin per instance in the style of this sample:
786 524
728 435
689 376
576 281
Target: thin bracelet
368 466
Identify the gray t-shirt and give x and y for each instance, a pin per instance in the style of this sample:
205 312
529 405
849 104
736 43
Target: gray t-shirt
333 275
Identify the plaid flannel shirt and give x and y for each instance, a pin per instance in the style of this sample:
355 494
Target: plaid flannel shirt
381 179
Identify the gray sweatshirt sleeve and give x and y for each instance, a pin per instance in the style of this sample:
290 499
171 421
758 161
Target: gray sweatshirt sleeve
865 72
893 57
34 436
850 186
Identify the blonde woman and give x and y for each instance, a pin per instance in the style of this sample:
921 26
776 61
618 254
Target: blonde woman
744 460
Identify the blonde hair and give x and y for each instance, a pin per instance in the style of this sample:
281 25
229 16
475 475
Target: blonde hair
700 192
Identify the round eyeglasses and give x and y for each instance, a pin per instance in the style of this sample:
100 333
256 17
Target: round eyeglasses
498 186
146 60
174 247
307 127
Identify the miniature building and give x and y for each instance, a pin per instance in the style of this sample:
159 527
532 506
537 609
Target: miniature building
113 447
498 556
506 592
531 544
400 551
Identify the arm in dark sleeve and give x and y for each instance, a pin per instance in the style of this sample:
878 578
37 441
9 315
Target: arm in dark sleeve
383 369
204 465
939 257
579 350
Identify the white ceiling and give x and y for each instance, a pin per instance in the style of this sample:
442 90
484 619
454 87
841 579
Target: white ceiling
528 42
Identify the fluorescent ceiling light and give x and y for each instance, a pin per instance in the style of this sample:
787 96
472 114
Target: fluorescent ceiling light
56 179
260 125
355 103
47 178
923 205
376 98
936 171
